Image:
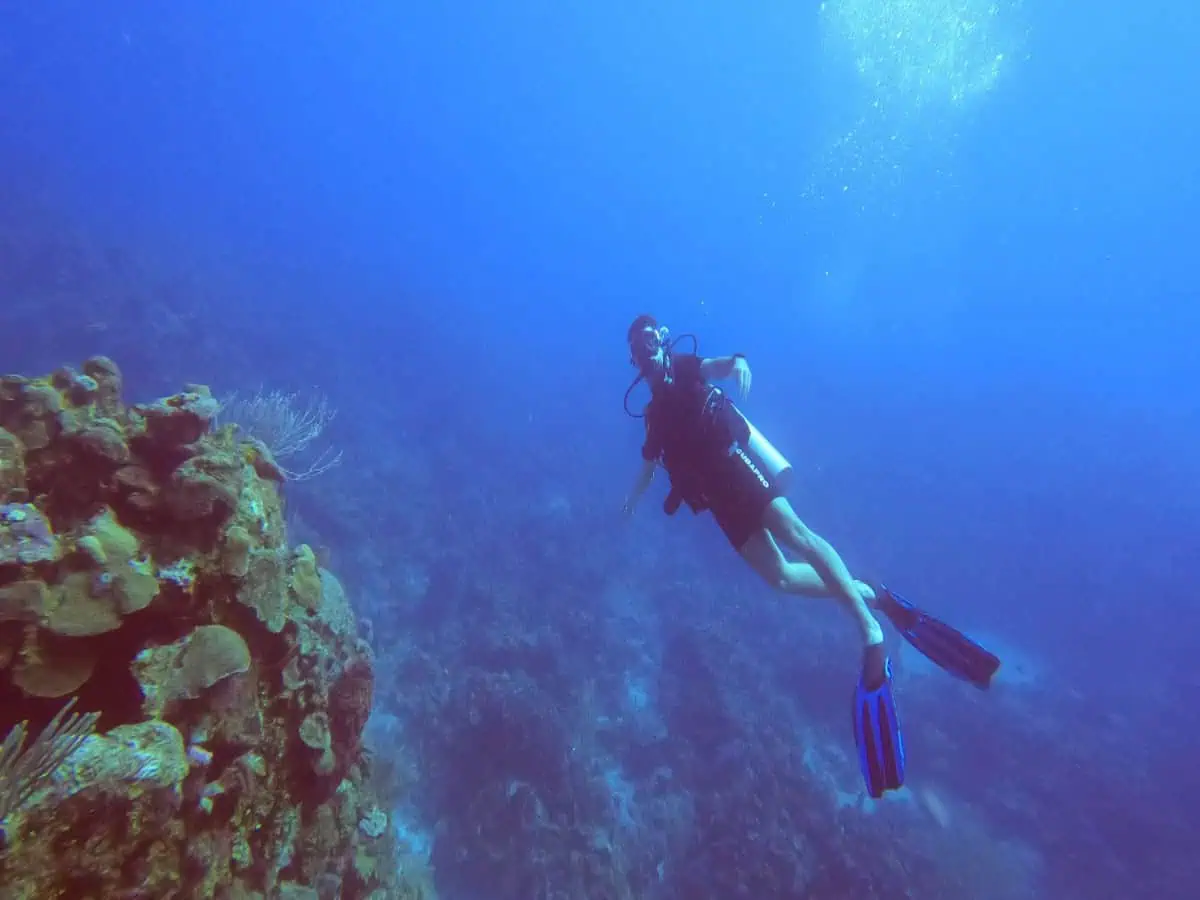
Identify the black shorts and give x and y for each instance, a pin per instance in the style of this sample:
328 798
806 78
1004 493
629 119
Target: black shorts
739 490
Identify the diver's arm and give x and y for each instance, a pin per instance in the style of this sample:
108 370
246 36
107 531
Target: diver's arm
719 368
645 476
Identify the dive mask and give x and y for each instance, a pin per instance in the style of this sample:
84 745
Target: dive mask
648 344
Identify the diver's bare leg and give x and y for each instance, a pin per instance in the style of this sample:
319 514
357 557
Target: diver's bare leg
823 561
764 556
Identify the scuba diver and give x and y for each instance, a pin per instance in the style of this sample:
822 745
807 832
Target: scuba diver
718 461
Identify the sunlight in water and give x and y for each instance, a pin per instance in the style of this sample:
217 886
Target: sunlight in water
918 68
921 53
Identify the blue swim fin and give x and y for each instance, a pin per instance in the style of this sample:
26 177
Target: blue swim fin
877 734
944 645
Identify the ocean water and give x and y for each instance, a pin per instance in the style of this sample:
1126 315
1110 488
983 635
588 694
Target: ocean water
955 240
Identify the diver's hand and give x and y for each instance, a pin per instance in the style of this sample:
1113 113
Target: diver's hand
741 375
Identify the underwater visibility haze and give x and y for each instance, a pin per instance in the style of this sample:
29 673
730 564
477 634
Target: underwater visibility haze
321 571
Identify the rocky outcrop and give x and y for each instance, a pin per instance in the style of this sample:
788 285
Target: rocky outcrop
145 572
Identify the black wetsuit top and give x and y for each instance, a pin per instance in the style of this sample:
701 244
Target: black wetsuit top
690 427
703 442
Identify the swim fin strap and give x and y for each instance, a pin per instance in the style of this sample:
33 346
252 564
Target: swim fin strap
877 735
942 644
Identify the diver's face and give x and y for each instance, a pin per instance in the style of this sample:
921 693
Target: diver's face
648 350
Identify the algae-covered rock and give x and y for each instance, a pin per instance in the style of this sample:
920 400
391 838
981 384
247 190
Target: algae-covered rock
210 654
24 601
78 388
314 734
149 756
11 637
75 830
374 823
120 580
224 665
264 588
30 410
231 717
103 440
12 468
85 606
187 668
175 421
108 384
335 610
137 490
235 554
52 667
26 537
289 890
207 485
127 578
259 455
85 603
305 579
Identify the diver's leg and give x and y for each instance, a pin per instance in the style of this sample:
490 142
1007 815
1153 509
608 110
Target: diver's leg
765 558
781 521
804 581
762 552
876 723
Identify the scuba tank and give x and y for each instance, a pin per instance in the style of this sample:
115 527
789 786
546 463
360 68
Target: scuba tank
773 463
745 440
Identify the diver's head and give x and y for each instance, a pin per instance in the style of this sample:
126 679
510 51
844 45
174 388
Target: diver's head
648 348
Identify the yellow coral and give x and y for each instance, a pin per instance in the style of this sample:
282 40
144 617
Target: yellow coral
50 667
211 654
90 546
306 580
235 554
133 582
23 601
84 608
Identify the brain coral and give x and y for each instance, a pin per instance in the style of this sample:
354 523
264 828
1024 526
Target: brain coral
210 654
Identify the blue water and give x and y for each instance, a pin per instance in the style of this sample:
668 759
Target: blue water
972 329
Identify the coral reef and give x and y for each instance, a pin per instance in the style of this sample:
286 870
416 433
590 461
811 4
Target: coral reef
145 572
